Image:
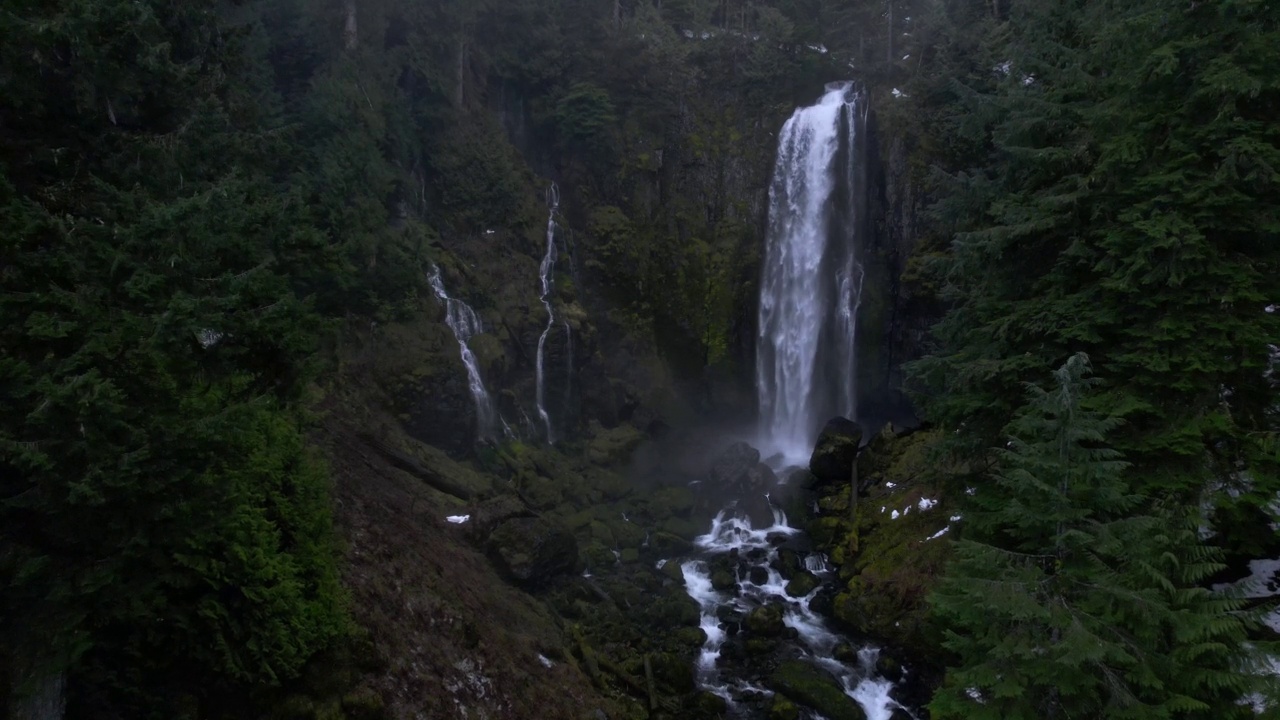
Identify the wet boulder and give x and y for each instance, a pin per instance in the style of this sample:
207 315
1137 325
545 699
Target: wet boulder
802 584
533 550
836 451
766 621
816 689
733 464
486 516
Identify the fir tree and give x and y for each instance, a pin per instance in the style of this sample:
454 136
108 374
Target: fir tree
1066 600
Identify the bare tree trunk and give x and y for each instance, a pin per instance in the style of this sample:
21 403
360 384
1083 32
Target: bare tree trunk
351 34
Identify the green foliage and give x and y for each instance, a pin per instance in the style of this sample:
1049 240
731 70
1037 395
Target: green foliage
1067 601
1111 207
584 117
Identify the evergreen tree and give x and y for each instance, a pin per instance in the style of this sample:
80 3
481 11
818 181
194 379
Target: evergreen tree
1125 207
1066 600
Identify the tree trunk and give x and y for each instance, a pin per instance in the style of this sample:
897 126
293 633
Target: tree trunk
351 34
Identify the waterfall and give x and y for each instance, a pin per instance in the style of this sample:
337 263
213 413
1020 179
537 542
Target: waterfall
546 274
811 287
465 324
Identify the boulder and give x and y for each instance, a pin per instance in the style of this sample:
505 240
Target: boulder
802 584
836 451
783 709
766 621
733 464
815 688
613 447
666 545
489 514
533 550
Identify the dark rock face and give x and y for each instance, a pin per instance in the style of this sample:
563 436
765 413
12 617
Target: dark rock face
815 688
734 464
836 451
533 550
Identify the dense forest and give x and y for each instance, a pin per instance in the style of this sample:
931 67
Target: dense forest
219 220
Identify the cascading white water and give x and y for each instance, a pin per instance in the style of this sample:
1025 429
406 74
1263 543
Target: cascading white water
806 373
812 280
733 535
546 274
465 324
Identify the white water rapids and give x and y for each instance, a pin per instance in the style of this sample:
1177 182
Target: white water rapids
729 534
806 373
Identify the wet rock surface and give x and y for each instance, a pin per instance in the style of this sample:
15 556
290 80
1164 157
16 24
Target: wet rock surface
815 688
836 451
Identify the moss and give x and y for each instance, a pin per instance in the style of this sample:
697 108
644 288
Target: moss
783 709
889 565
801 585
613 447
364 704
814 688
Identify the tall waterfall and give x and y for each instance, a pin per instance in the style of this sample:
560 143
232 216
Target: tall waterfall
546 274
465 324
806 362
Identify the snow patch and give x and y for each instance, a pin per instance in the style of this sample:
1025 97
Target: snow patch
458 519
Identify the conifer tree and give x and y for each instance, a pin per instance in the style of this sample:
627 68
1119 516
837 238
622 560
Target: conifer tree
1066 600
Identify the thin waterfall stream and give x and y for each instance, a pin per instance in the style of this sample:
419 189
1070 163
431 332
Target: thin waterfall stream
806 373
546 276
465 324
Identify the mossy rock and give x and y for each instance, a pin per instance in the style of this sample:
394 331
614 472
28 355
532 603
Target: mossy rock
802 584
815 688
674 571
490 354
615 446
665 544
364 704
541 493
690 637
625 533
599 555
836 451
453 472
611 485
532 551
825 531
674 672
783 709
787 563
684 528
709 705
678 501
765 621
723 580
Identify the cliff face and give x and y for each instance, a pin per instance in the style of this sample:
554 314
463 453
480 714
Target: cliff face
654 316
